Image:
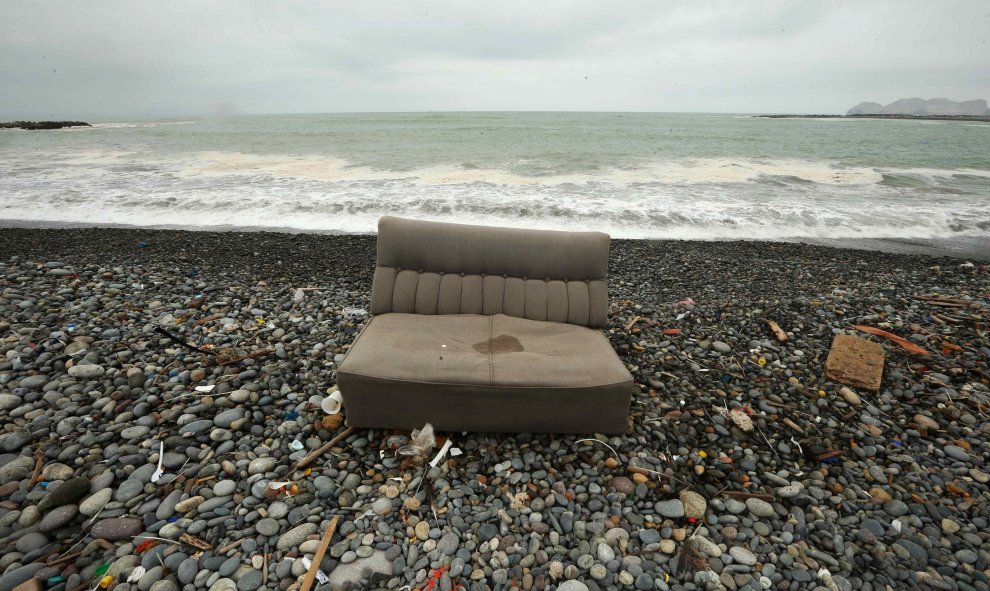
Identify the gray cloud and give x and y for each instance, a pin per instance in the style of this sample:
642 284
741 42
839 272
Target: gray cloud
136 58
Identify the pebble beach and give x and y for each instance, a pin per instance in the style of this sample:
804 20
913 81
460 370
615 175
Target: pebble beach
743 467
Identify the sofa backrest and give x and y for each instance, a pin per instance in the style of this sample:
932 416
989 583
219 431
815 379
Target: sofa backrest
441 268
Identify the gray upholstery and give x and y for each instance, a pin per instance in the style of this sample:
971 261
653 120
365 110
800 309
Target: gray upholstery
484 373
439 268
486 329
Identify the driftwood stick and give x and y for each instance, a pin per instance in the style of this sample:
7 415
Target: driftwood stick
318 557
39 461
223 550
948 302
742 495
779 332
66 558
648 472
209 318
177 340
323 449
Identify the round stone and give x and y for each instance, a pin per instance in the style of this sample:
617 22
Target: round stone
116 528
649 536
622 484
278 510
956 453
671 508
249 581
742 555
267 527
96 501
224 488
163 585
291 539
760 508
58 517
30 542
694 504
128 489
261 465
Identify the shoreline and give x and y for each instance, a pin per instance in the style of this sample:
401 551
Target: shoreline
960 247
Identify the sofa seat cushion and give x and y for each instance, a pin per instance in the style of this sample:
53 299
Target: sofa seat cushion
484 373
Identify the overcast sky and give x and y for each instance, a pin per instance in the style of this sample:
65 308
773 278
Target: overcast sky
80 57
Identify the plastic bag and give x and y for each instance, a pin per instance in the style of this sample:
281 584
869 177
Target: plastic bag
421 443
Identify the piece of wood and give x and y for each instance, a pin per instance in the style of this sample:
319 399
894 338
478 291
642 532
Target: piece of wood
210 318
948 302
195 542
318 557
223 550
855 362
792 425
67 558
651 473
945 304
781 335
779 404
743 495
252 355
31 584
632 322
39 461
904 343
323 449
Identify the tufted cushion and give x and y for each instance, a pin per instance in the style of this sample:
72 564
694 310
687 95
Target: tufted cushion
437 268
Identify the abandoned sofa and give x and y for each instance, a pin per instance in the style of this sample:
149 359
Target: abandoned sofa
479 328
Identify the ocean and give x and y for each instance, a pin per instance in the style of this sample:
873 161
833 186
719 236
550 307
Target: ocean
633 175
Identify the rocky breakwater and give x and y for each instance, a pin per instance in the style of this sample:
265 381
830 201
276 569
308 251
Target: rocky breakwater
39 125
743 467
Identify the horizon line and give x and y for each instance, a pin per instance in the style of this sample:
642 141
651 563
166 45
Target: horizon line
215 115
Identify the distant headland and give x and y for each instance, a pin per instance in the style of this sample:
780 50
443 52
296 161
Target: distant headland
912 108
917 107
36 125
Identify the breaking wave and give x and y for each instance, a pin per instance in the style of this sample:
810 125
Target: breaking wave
701 198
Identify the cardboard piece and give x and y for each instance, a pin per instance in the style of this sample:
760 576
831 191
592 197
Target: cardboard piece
855 362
